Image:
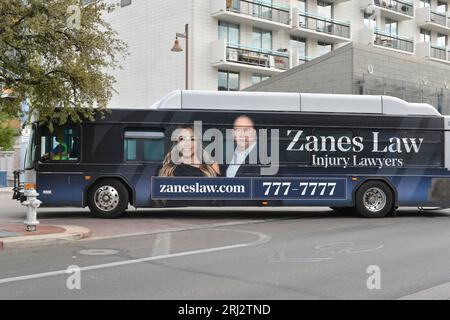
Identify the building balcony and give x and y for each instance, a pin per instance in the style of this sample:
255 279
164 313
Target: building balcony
309 25
394 9
432 52
254 12
237 57
386 40
433 20
393 41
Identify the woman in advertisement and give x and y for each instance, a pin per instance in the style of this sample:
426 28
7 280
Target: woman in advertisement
187 158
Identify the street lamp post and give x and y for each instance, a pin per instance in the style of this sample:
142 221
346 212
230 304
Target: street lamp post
177 48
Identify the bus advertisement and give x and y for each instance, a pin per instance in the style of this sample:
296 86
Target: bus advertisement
368 154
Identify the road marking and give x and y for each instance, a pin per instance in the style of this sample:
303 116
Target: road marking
280 256
162 244
262 238
98 252
440 292
347 247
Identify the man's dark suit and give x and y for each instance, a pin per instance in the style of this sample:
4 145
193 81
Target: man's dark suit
245 170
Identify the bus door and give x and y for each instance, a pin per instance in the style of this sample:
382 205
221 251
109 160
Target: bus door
58 179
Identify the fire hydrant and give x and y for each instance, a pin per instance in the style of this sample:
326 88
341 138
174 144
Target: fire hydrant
32 203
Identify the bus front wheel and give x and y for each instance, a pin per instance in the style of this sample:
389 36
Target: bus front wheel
374 199
108 198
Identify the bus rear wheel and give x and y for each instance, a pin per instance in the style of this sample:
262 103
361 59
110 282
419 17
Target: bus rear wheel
108 199
374 199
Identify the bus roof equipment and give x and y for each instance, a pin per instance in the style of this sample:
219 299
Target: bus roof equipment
291 102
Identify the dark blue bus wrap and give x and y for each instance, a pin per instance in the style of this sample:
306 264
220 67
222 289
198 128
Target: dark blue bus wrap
342 151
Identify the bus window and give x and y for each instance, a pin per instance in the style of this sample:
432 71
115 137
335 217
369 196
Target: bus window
144 146
62 144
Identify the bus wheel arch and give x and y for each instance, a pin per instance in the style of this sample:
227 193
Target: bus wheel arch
379 189
131 192
108 197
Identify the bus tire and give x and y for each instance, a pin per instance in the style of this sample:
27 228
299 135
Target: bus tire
108 198
374 199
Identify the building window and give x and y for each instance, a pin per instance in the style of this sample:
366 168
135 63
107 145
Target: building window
124 3
299 45
391 26
257 78
144 146
229 32
441 40
302 8
441 6
263 11
369 20
424 3
324 9
228 81
425 35
324 47
262 39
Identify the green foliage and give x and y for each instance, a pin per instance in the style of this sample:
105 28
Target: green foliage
57 68
7 134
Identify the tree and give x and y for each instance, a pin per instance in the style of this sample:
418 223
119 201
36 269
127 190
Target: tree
7 134
54 54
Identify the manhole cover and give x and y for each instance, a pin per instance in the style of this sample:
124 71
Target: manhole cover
98 252
5 234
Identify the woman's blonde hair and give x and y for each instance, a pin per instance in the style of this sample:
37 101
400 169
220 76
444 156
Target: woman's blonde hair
169 165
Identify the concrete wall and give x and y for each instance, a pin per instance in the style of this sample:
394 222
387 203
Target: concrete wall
330 73
151 70
394 65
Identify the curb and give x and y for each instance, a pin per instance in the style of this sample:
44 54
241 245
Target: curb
72 233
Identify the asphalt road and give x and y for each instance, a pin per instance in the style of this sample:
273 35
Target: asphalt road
315 254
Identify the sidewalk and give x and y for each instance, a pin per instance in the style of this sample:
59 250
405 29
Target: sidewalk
14 236
6 190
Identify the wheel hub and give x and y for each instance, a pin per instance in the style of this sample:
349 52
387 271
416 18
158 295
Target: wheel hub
374 199
106 198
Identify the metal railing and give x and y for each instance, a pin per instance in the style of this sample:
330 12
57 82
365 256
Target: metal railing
438 17
393 41
257 57
260 10
438 52
324 25
404 7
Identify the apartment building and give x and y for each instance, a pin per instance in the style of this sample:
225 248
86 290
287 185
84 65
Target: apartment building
234 44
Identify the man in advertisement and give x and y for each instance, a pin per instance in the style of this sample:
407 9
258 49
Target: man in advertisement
244 160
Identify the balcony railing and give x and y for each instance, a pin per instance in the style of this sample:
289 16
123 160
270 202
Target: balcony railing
438 52
259 9
393 41
324 25
438 17
399 6
257 57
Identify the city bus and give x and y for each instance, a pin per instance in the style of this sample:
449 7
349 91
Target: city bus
364 154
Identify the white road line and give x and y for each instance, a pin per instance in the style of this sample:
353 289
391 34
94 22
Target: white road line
440 292
262 238
162 244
